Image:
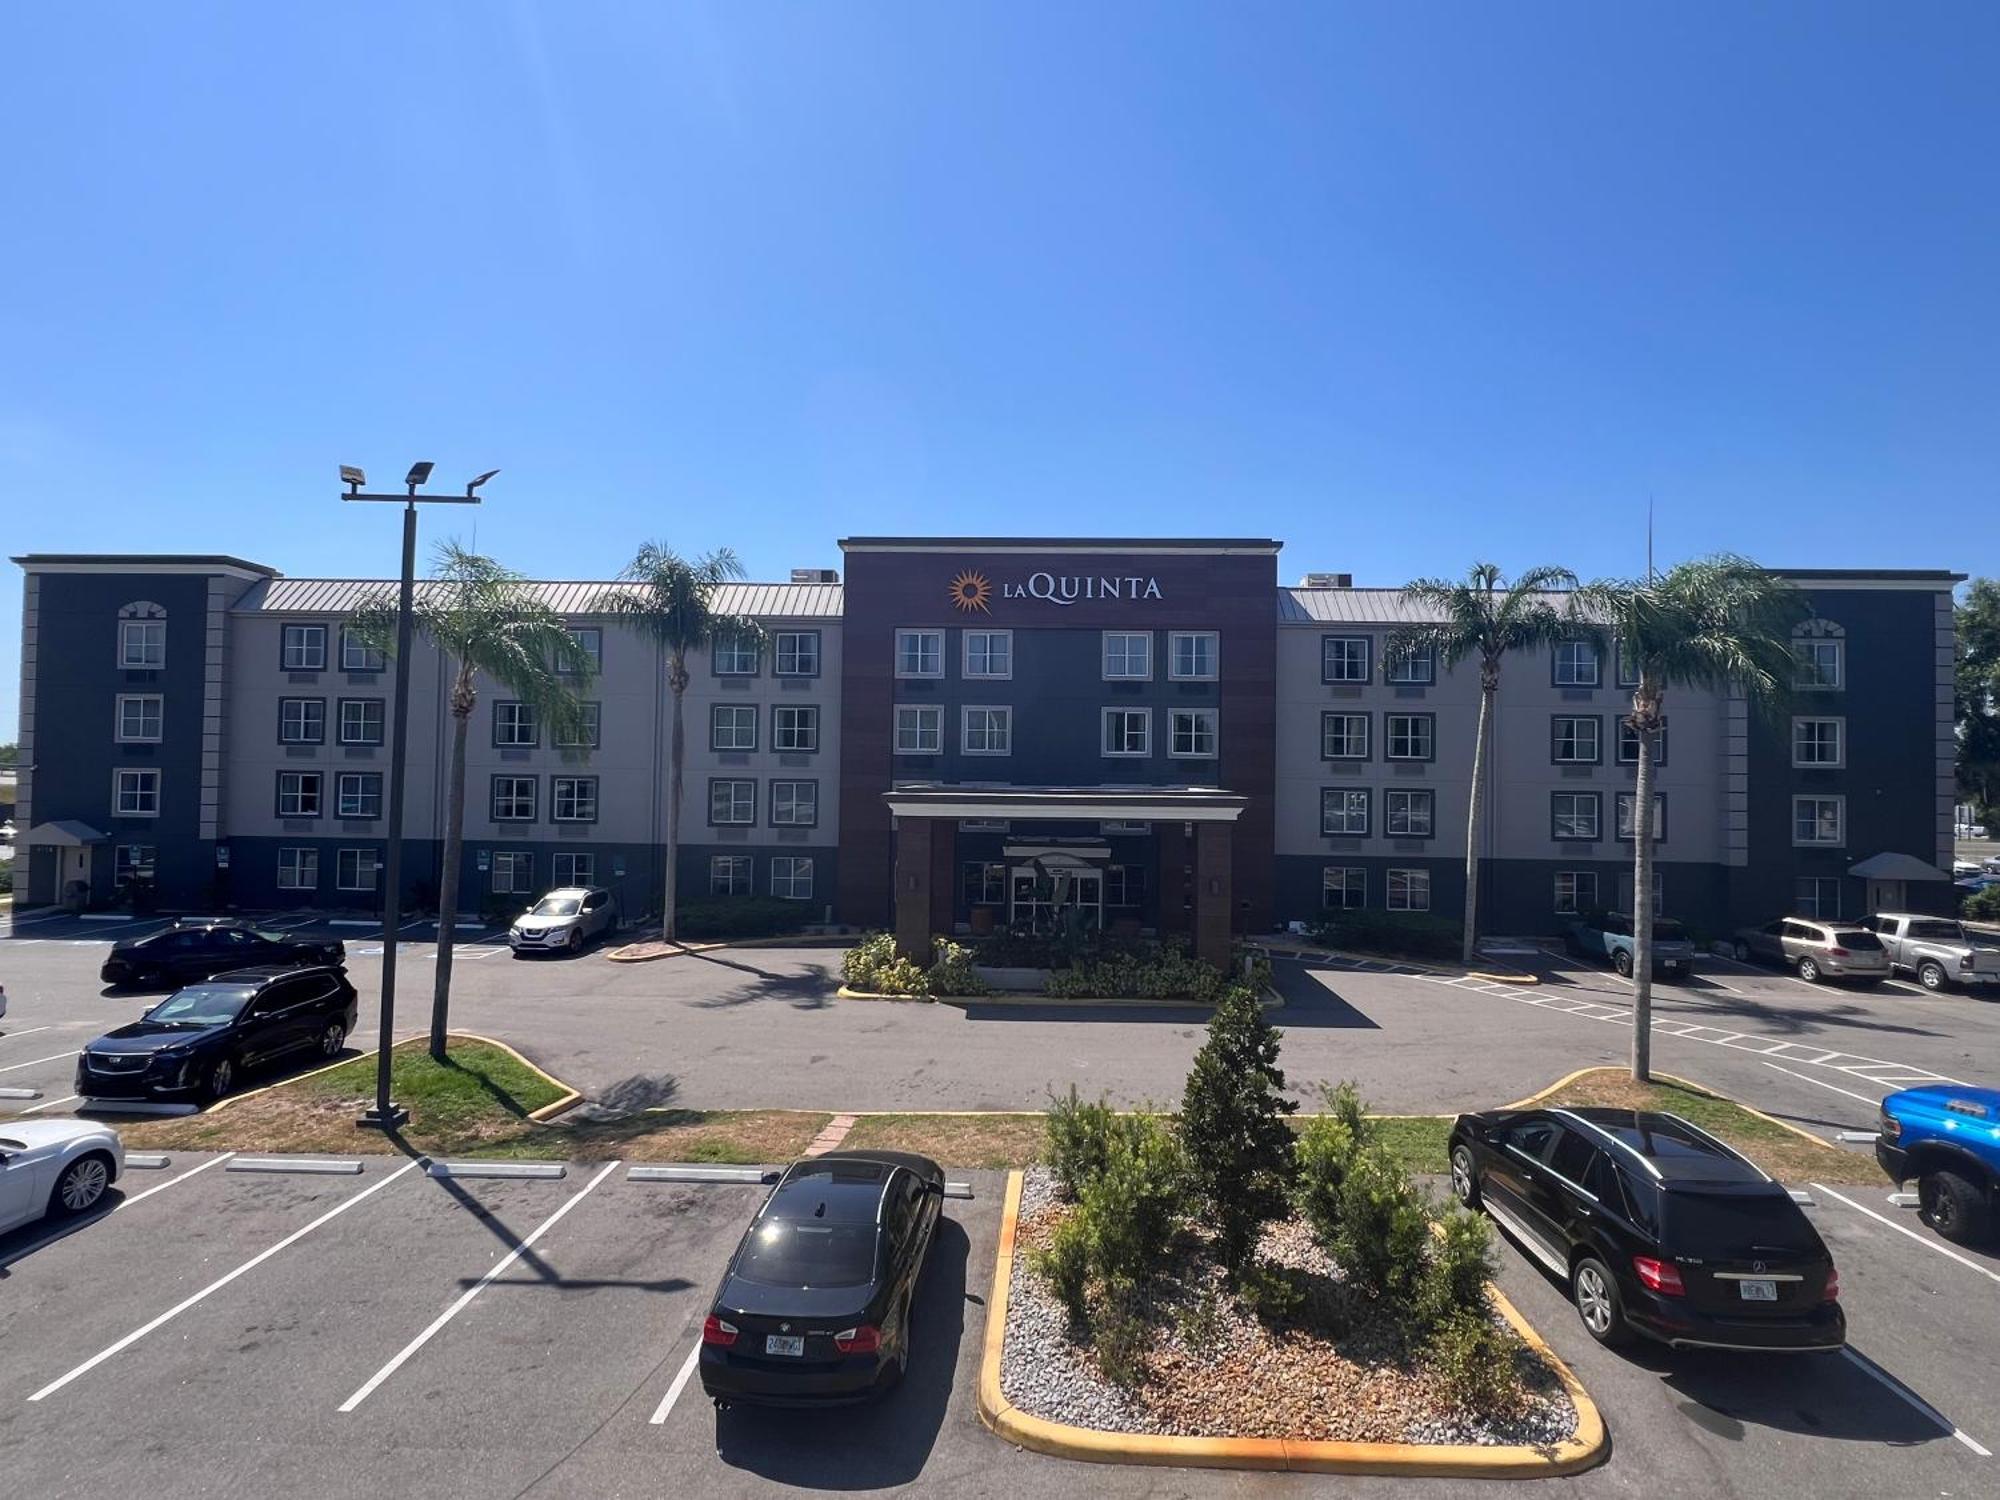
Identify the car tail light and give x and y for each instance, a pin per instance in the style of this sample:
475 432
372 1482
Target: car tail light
1837 951
1832 1292
1661 1276
865 1339
715 1331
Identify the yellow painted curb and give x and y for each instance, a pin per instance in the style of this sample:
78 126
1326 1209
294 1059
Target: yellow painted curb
1269 1000
570 1098
1503 978
844 993
1687 1083
1091 1445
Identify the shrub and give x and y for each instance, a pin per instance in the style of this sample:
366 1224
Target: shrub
1119 1336
1165 975
1079 1139
951 971
1200 1321
1066 1264
1271 1292
1239 1150
1461 1263
1381 1231
741 917
1131 1206
1983 906
1473 1360
1410 934
1325 1153
873 965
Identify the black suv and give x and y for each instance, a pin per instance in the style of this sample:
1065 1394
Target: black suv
196 947
198 1041
1654 1226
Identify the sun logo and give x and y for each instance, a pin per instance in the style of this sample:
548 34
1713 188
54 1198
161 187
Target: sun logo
971 591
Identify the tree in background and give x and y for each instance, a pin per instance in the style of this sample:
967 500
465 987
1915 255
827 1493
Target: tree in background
674 606
487 619
1486 617
1718 624
1978 699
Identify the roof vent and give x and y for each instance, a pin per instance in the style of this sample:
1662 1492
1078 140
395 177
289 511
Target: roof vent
1327 581
815 575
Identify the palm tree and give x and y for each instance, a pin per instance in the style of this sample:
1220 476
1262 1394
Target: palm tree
674 605
1716 624
1480 616
485 618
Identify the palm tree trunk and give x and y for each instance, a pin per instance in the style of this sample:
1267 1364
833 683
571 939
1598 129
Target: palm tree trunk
1475 809
677 679
1642 899
454 843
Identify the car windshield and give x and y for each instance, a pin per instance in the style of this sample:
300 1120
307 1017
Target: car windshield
1858 938
786 1252
203 1005
1737 1226
1938 931
555 906
1666 930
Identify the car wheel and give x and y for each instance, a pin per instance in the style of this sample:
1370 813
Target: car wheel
1596 1298
1622 962
1809 970
332 1039
1464 1178
575 943
217 1080
1952 1206
1931 975
80 1186
1741 952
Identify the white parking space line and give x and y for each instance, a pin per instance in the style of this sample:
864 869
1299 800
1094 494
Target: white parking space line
1904 1229
77 1225
52 1104
680 1384
217 1285
10 1036
1821 1083
52 1057
368 1386
1875 1372
161 1187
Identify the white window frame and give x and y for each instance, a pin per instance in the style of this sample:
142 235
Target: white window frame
581 868
591 733
1122 644
1573 902
1194 639
513 798
748 801
1145 718
1350 797
1416 890
1839 760
1004 639
1621 827
516 713
150 638
126 735
1806 648
314 779
794 820
1594 800
919 653
145 792
1367 734
794 646
380 735
1327 884
582 793
357 860
1197 717
356 655
1801 902
791 872
739 715
520 867
1839 838
590 641
302 648
1566 664
291 733
361 780
728 651
806 714
1346 677
925 725
729 867
298 868
1413 797
1417 669
993 735
1429 722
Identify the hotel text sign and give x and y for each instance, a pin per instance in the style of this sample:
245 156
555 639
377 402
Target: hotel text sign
973 592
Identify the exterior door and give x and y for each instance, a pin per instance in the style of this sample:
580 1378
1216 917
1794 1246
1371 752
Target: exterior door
1030 899
1885 895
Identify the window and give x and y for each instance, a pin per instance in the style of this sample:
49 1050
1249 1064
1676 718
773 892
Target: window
1408 813
1628 744
515 725
983 884
590 641
142 645
1817 896
1128 656
301 721
1576 892
1342 888
1628 665
304 648
360 721
1819 820
1343 658
356 655
795 653
298 869
514 799
1575 741
794 804
134 862
736 655
140 718
513 872
573 799
987 731
1576 815
729 875
1192 733
1819 742
1409 736
1128 731
1409 890
989 653
355 869
1193 655
358 794
732 803
919 729
1576 664
1124 885
1818 665
1627 801
1343 811
795 727
574 869
732 726
136 794
299 794
791 877
1343 736
1417 668
585 733
920 653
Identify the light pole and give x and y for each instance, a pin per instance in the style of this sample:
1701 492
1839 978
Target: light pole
387 1114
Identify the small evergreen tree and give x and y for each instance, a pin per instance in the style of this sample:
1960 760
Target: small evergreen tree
1239 1148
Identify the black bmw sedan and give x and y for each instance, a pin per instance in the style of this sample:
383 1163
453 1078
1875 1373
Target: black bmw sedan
199 1041
1656 1228
196 947
815 1306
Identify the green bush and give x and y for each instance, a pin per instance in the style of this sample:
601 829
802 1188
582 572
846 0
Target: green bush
6 877
1164 975
1983 906
1325 1153
1408 934
1131 1207
1078 1139
1460 1265
1065 1262
1239 1150
1474 1362
741 917
1119 1336
1381 1231
951 971
873 965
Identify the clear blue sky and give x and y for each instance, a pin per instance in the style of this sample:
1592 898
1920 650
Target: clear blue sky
1404 284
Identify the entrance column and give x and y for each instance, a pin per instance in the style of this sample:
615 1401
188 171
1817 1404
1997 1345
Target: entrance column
1214 900
913 889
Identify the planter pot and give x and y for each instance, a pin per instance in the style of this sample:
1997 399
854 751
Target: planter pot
983 919
1030 981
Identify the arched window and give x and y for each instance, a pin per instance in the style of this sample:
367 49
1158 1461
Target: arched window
142 636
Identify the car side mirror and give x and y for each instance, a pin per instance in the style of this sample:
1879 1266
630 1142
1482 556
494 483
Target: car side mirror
935 1189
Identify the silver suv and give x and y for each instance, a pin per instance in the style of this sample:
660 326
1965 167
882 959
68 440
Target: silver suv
564 920
1817 949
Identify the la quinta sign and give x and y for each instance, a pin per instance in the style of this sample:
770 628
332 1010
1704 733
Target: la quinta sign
973 592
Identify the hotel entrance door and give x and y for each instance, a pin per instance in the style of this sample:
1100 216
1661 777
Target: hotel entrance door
1038 899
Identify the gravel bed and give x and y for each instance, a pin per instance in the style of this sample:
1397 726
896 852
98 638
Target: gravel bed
1216 1370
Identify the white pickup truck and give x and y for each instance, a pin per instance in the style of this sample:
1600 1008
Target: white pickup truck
1938 950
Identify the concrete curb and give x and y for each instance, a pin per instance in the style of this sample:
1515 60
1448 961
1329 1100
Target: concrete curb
1687 1083
844 993
1091 1445
1510 976
627 955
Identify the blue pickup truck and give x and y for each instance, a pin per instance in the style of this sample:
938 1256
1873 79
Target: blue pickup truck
1947 1137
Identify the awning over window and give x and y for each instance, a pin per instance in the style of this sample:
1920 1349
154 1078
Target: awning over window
1890 866
1161 804
65 833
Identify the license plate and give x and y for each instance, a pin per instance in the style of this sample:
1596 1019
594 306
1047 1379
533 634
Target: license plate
794 1344
1757 1291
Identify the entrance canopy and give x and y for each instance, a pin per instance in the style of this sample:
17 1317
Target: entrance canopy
1896 867
65 833
1127 804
